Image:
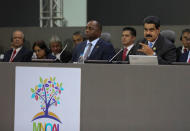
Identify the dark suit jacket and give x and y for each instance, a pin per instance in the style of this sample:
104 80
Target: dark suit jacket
165 50
24 55
50 56
133 51
102 51
65 57
178 53
184 57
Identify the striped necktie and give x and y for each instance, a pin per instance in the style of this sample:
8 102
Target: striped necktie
87 51
13 55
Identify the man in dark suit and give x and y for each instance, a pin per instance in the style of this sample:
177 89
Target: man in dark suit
93 48
129 46
185 57
18 53
183 50
61 54
155 44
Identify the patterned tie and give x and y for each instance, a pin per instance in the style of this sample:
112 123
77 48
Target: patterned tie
124 54
150 45
87 51
13 55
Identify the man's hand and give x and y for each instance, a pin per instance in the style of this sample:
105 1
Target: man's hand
146 49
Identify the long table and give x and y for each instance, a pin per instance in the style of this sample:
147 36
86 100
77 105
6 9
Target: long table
118 97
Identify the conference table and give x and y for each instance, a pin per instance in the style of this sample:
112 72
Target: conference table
117 97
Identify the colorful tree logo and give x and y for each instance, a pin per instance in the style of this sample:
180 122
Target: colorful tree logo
47 92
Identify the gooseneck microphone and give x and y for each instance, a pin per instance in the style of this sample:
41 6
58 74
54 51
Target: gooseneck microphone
116 55
59 57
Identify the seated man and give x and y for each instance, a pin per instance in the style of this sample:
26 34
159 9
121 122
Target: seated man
77 38
56 48
156 44
129 46
18 53
183 50
93 48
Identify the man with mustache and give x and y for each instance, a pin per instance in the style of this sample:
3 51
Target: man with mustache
155 44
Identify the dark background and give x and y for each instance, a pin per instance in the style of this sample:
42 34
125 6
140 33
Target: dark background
132 12
17 13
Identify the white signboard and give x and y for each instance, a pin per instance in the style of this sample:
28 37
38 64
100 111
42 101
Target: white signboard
47 99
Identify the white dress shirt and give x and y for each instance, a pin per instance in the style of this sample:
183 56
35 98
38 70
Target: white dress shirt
93 45
129 48
17 50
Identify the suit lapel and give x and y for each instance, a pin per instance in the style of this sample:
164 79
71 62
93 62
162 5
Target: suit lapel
157 45
186 56
9 54
95 49
82 48
120 56
180 48
130 53
18 55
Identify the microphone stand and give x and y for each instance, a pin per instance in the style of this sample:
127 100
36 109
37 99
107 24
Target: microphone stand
116 55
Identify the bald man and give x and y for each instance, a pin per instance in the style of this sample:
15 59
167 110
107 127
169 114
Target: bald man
18 53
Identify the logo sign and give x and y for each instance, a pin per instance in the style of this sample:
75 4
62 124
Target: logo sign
47 99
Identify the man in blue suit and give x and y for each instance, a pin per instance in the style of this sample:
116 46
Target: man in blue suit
94 48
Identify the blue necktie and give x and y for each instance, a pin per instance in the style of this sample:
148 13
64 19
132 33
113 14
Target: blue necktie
150 45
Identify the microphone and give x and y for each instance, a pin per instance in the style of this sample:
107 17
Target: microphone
59 57
64 49
116 55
